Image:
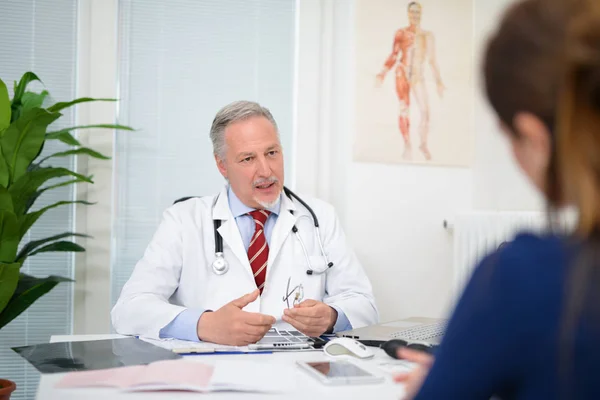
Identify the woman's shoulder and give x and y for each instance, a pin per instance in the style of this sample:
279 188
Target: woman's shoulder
529 260
530 247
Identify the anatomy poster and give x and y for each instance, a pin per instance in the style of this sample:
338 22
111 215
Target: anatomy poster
414 82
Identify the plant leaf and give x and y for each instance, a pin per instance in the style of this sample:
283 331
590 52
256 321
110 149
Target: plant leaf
28 290
4 172
17 104
66 183
9 276
37 194
5 111
62 245
65 104
27 220
63 136
106 126
9 236
30 248
27 78
5 200
23 139
26 188
81 150
33 100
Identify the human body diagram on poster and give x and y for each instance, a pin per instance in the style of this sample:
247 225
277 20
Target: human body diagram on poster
413 47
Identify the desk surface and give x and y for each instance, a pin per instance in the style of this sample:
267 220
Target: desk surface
307 386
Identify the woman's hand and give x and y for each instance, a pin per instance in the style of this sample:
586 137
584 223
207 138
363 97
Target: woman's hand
414 379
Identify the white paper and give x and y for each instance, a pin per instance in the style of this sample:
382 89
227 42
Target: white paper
243 376
253 376
177 344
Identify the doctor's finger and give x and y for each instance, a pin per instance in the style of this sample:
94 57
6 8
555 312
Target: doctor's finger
312 312
301 326
251 339
260 330
307 303
258 319
419 357
308 321
246 299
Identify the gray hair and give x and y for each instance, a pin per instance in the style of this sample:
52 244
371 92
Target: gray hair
235 112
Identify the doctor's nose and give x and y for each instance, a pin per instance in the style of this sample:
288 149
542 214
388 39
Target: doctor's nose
264 169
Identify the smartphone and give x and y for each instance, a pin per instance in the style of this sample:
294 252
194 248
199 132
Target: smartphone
339 373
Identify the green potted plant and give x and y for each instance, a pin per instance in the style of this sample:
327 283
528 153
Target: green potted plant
24 177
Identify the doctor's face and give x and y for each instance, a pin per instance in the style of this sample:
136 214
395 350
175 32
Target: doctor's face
253 162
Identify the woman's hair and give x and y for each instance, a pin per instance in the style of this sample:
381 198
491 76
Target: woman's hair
545 59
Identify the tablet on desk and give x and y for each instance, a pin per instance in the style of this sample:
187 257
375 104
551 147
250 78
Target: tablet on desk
339 373
93 354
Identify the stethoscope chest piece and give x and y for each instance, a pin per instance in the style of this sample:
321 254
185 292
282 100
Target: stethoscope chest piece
220 266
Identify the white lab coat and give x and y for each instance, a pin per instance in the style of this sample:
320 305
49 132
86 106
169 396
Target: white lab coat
176 272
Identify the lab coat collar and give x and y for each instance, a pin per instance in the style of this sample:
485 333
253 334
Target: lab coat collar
221 209
238 208
286 203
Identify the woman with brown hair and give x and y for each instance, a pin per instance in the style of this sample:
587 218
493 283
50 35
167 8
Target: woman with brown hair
528 322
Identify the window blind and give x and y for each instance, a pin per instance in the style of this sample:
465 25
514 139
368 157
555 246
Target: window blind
41 36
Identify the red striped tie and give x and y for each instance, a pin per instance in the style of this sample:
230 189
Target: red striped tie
258 251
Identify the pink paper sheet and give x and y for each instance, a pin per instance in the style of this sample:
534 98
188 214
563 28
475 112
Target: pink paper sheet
175 373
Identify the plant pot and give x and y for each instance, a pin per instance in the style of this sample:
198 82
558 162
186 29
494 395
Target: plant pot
6 388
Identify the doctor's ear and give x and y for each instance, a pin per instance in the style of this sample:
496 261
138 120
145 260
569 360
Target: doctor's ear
221 166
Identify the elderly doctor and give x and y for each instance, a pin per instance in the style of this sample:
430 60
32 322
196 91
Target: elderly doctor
227 268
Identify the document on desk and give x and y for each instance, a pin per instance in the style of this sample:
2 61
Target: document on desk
243 376
186 346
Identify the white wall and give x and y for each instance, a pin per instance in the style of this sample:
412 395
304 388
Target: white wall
393 214
498 184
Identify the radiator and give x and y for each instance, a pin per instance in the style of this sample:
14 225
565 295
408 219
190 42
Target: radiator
477 233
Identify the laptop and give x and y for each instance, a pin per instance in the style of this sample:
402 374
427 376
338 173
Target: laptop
281 339
428 331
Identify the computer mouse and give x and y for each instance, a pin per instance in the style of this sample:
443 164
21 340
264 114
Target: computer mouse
391 347
347 347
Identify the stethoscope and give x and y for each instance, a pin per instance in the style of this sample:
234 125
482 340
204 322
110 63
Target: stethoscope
220 266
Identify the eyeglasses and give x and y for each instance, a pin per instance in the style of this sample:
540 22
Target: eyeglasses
297 291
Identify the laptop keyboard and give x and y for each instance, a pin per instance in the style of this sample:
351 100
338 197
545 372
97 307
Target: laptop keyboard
421 332
282 336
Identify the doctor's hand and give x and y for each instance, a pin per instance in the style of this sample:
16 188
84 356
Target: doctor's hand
311 317
413 380
231 326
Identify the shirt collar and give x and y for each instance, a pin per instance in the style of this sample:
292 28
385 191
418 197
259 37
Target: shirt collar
238 208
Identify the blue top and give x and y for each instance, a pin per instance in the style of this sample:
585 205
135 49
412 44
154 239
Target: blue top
185 324
505 335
